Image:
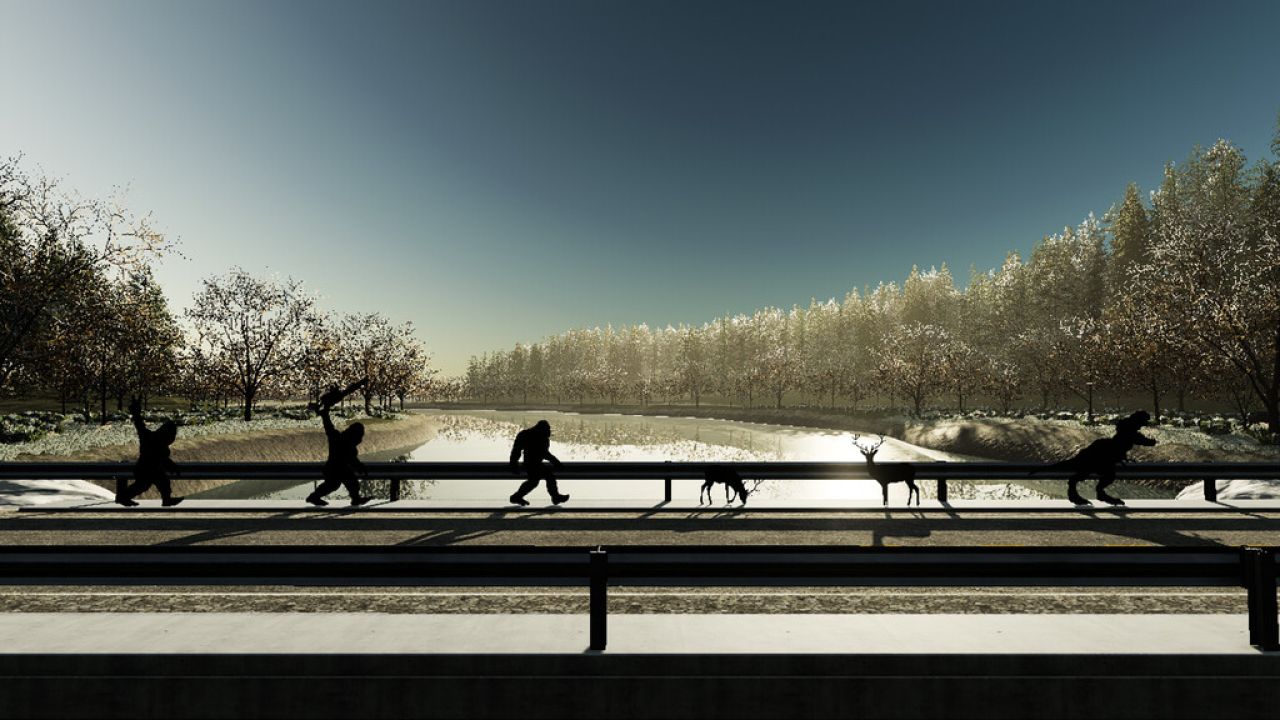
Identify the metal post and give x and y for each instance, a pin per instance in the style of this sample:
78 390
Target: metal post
942 490
666 485
1211 489
122 484
599 598
1260 581
395 489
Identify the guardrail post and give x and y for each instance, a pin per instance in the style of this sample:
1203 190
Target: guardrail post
666 488
395 489
1211 489
122 483
1259 566
942 490
599 598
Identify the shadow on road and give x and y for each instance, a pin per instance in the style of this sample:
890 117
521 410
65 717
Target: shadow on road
726 526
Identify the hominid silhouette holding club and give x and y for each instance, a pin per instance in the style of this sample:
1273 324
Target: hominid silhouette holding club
1102 456
343 465
885 474
154 464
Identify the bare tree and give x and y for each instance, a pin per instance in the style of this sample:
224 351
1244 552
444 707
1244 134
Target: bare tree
255 326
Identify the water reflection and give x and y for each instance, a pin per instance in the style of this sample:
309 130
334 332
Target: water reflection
486 436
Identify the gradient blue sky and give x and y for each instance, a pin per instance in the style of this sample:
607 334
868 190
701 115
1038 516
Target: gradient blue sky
499 171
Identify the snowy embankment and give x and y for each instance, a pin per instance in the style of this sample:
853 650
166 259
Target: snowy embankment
269 439
1038 440
76 438
1235 490
79 438
43 492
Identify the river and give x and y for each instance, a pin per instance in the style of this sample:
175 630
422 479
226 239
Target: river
486 436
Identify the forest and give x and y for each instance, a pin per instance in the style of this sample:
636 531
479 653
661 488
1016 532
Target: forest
1171 297
83 321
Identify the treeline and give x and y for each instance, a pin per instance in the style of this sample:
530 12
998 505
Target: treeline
1173 295
82 319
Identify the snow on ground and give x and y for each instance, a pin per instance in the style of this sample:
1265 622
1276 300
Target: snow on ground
1235 490
79 437
41 492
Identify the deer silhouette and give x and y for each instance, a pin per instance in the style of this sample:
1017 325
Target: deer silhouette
732 482
886 475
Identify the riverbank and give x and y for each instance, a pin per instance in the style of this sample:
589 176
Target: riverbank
302 442
1026 439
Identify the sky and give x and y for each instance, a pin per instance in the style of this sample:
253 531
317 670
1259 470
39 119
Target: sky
498 172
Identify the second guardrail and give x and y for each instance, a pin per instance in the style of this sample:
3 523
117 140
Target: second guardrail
396 472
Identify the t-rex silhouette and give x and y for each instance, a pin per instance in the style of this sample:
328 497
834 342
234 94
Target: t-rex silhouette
1102 456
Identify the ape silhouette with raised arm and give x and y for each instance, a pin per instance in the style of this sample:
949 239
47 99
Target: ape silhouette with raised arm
154 466
343 464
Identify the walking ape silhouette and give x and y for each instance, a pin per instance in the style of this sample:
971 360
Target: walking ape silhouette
154 464
343 464
1102 456
535 443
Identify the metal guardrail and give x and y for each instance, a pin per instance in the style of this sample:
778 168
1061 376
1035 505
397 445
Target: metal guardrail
396 472
1253 568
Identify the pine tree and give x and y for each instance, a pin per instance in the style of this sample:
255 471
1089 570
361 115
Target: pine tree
1130 229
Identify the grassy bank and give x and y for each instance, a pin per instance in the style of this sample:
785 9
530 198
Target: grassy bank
303 443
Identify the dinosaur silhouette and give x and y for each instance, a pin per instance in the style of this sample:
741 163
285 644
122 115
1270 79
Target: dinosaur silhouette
1101 458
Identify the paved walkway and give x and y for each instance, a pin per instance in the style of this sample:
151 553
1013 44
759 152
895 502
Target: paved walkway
360 633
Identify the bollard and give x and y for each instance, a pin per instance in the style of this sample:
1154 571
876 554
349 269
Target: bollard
942 490
1211 489
599 599
1259 570
395 489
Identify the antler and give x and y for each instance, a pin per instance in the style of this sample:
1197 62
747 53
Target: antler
868 450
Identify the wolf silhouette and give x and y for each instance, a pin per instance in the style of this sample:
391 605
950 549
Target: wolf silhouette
1102 456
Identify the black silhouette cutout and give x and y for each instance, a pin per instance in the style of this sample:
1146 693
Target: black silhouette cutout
886 475
343 465
732 482
1102 456
535 443
154 464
